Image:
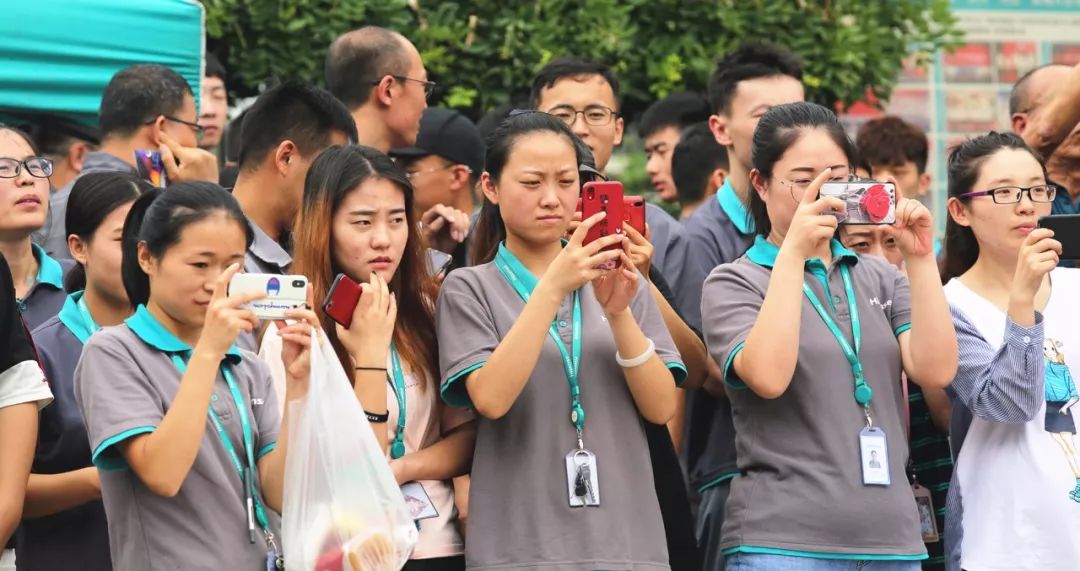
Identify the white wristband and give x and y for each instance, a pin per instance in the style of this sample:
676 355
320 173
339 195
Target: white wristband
639 360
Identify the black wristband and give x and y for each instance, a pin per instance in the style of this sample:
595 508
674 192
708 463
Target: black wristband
378 418
383 369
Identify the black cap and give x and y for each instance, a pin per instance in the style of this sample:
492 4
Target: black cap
450 135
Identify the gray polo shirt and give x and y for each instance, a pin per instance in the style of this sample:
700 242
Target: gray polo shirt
124 384
47 295
669 244
265 256
800 489
53 236
520 516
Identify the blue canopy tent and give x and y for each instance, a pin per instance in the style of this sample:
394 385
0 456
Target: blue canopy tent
57 56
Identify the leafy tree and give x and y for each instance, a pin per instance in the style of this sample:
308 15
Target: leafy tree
485 52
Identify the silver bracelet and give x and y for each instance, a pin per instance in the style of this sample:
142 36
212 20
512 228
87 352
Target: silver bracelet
639 360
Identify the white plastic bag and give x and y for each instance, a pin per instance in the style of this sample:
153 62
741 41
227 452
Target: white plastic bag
343 510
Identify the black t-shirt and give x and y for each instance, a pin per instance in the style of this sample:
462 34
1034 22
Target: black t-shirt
15 344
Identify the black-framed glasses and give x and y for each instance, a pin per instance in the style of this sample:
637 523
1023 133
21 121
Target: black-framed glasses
38 167
429 86
1013 194
199 129
594 115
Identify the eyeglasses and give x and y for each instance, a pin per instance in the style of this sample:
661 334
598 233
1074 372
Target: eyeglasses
199 129
802 184
1013 194
429 86
595 115
38 167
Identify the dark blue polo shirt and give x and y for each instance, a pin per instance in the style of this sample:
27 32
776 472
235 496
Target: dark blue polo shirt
47 295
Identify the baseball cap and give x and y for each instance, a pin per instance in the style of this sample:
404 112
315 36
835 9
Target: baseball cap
450 135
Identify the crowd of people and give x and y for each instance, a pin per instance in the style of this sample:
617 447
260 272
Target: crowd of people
752 385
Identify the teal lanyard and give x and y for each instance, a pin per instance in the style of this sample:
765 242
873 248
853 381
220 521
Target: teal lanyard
88 320
397 380
863 392
246 473
524 283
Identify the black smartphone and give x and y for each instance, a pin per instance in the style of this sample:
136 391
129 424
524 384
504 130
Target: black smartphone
1066 229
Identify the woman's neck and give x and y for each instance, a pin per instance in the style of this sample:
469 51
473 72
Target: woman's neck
103 311
187 334
536 258
823 252
991 273
24 266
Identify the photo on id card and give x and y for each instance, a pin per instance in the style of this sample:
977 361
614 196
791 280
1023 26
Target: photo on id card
418 501
875 457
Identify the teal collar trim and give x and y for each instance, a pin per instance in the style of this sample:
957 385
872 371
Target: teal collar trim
49 270
734 208
153 333
72 318
763 252
528 280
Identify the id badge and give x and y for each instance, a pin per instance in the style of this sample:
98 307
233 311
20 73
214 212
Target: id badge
274 562
875 457
418 501
927 520
582 479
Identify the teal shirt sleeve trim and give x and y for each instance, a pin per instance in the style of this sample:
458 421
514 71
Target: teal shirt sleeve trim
454 393
678 370
108 459
717 482
902 329
823 555
733 383
266 450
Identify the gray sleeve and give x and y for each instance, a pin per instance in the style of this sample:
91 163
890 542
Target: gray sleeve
730 306
467 336
116 399
649 319
699 259
267 413
1005 385
900 310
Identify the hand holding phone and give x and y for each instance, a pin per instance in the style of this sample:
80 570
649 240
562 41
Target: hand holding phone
606 197
277 294
151 167
340 301
227 315
1066 229
634 213
368 336
865 201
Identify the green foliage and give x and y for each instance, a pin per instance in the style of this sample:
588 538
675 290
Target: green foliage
485 52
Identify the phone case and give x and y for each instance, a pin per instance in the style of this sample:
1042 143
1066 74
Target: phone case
341 300
282 293
867 201
603 196
150 167
634 213
1066 229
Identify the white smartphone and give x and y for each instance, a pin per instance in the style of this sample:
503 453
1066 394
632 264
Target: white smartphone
282 293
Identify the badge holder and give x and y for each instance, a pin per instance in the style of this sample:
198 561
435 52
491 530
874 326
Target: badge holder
874 452
582 477
927 517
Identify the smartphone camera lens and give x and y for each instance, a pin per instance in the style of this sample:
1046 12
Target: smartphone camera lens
298 283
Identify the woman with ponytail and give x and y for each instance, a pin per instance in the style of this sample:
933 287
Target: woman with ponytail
183 426
64 522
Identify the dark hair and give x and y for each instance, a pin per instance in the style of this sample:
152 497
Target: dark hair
693 161
678 110
214 68
21 134
358 59
779 129
570 67
337 172
138 94
293 111
55 134
95 196
750 61
891 141
495 117
490 230
965 164
159 217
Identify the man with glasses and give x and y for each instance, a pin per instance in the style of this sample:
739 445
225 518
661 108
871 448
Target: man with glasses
443 166
377 73
144 107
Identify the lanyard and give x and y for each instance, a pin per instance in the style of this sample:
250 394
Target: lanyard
863 393
397 381
246 472
88 320
524 283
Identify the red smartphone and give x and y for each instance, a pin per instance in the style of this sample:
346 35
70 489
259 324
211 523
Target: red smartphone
603 196
634 213
341 300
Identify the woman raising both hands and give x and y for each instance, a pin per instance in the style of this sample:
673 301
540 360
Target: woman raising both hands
813 338
560 359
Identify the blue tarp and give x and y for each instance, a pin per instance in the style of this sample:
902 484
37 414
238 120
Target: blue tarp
57 56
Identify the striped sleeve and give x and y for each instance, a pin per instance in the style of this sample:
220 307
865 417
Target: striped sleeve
1002 385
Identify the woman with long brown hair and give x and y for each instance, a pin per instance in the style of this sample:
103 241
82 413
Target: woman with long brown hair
360 204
